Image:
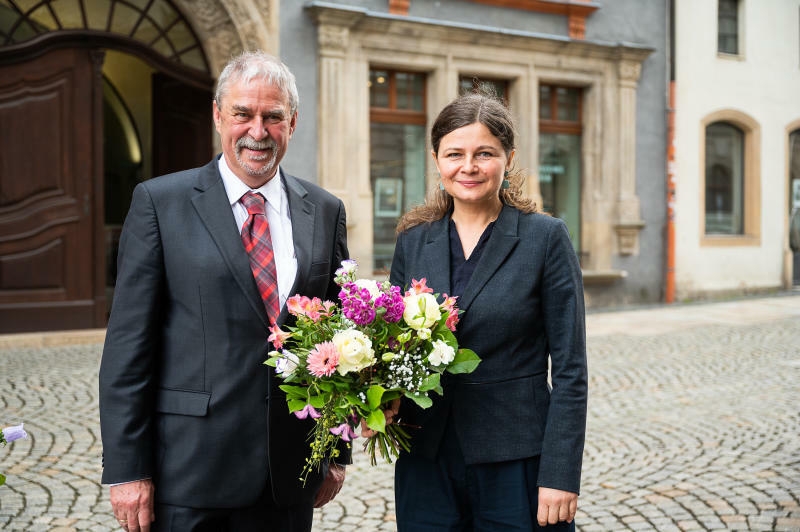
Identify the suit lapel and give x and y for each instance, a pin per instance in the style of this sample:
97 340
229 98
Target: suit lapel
211 204
500 244
303 214
437 256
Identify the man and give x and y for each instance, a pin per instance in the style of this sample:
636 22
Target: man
196 433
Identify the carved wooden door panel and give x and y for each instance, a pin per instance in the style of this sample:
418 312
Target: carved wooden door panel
51 201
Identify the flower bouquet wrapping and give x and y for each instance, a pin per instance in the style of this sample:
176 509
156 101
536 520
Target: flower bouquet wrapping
346 362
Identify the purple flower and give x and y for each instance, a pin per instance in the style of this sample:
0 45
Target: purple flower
357 304
393 303
308 410
345 431
14 433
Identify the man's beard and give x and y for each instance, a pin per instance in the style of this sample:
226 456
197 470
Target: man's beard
253 144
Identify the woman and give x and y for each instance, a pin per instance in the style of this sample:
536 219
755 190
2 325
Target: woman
499 451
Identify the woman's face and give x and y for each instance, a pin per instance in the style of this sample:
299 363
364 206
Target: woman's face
471 162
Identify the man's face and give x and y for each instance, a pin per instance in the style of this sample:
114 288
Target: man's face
254 126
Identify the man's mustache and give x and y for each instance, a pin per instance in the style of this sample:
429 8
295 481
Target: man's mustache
252 144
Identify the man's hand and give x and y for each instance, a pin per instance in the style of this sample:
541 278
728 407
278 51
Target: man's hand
555 506
389 414
132 503
330 486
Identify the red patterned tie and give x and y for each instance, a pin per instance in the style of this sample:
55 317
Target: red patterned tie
257 242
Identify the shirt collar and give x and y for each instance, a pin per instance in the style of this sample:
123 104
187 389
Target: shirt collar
235 187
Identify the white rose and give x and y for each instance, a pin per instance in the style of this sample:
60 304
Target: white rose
424 333
422 311
370 285
355 350
442 353
286 365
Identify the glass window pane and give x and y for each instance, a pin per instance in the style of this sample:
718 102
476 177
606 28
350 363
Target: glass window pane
162 14
728 26
545 110
26 5
568 101
68 13
469 84
410 87
724 187
194 58
124 19
560 180
97 13
23 32
8 17
181 36
146 32
43 19
378 88
397 173
162 47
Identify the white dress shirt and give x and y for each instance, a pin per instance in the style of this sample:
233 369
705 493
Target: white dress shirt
280 223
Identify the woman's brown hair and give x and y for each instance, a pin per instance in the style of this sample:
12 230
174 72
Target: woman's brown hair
484 107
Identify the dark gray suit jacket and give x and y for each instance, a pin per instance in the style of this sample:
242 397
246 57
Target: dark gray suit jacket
184 396
523 303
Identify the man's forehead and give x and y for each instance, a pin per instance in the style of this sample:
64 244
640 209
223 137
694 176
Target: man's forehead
243 89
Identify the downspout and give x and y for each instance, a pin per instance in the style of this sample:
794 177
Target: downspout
669 295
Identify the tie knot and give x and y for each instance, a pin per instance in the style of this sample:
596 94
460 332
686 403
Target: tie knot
254 203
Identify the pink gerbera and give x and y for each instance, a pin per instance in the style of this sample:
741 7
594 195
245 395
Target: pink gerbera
322 360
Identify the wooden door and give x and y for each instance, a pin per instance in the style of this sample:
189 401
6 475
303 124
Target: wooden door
51 203
182 125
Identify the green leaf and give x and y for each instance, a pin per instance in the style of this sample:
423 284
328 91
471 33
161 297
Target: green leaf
271 362
422 400
325 386
465 361
2 479
317 401
431 382
356 400
294 391
295 405
376 420
374 395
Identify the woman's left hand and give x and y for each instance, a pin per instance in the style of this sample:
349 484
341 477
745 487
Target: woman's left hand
556 505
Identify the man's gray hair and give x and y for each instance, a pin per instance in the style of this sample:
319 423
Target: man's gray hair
248 66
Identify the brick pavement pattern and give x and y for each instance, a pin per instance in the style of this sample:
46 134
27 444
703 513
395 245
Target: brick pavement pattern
691 427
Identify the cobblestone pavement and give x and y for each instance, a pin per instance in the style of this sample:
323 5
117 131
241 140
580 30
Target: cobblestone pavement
693 424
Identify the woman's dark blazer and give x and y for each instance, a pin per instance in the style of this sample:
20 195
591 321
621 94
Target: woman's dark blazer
523 303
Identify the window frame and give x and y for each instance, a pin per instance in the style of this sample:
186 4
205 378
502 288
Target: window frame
739 53
751 176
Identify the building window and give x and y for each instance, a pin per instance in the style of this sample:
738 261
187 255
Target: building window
724 197
397 154
728 27
499 87
730 203
560 130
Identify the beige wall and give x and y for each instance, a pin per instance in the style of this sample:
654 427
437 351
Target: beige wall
762 85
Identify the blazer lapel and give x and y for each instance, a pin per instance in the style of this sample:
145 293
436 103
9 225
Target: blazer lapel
500 244
211 204
303 214
437 256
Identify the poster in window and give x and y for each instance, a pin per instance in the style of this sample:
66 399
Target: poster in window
388 197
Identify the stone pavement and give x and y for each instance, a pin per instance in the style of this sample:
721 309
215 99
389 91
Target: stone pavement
693 424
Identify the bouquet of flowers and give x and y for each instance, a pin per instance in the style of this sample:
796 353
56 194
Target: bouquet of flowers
343 363
10 434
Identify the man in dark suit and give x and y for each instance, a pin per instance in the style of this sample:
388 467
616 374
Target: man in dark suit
196 433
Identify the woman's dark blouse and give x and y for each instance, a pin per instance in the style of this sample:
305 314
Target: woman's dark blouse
460 269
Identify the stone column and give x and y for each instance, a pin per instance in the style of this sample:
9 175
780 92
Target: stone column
628 219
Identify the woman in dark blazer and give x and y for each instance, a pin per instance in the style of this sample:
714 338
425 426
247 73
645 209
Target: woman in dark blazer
501 450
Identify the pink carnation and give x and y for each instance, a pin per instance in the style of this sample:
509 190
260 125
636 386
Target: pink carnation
322 360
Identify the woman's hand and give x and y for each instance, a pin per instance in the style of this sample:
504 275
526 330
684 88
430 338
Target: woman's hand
389 414
556 505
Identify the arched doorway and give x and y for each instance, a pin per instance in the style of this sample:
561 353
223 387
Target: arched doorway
94 98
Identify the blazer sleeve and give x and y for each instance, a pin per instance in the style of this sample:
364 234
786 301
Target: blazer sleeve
563 313
128 365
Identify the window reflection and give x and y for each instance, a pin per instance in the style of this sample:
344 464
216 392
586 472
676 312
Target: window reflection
724 198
